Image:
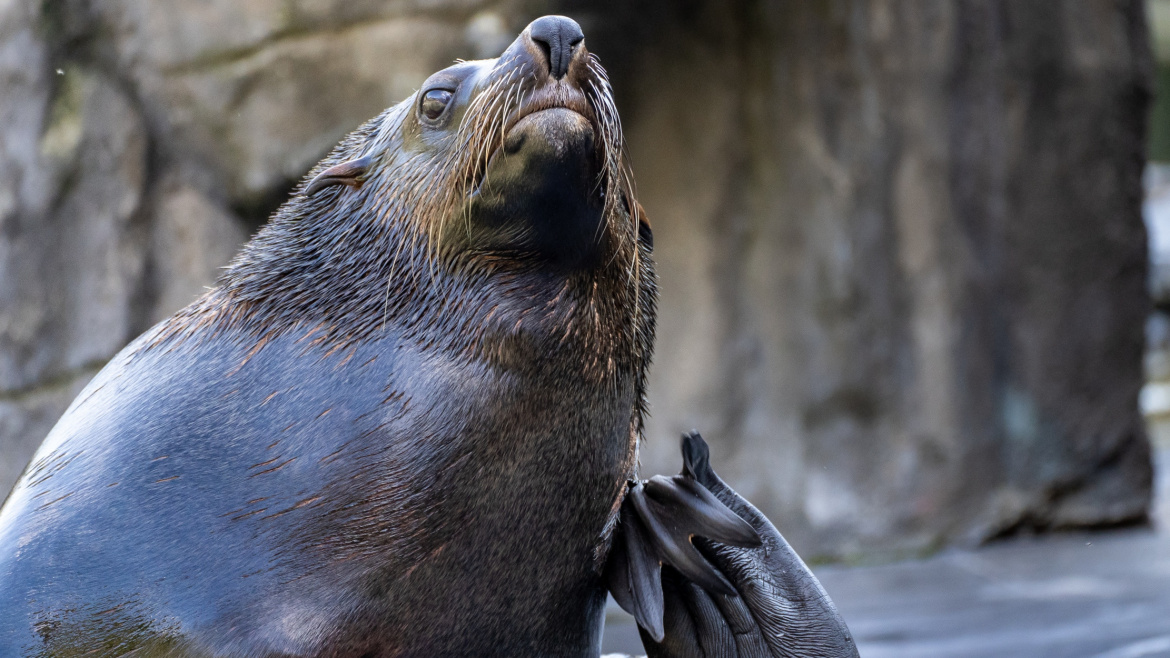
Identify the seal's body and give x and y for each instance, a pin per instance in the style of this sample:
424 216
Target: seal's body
405 422
400 425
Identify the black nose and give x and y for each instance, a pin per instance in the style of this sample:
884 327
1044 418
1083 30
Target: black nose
558 36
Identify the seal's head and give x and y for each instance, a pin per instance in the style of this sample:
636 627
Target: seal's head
505 175
520 155
531 146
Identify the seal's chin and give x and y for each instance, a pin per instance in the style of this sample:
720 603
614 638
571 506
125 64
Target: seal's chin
540 189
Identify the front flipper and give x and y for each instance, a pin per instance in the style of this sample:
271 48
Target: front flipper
706 574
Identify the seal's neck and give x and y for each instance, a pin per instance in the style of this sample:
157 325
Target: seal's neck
346 280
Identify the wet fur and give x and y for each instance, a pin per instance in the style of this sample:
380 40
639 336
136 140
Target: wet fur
368 440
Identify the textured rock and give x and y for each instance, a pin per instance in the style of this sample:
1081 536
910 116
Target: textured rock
1156 213
260 123
902 260
900 243
193 239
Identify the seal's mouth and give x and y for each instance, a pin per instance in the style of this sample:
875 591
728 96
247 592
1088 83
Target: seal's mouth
560 96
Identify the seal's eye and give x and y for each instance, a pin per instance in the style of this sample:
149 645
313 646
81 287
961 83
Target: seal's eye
434 102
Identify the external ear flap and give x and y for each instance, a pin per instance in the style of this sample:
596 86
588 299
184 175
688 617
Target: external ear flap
351 174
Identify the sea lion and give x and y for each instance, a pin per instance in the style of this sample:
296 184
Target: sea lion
401 424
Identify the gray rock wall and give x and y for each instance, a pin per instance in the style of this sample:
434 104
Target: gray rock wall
902 260
900 243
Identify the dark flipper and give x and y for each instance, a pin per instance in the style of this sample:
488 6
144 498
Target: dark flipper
738 590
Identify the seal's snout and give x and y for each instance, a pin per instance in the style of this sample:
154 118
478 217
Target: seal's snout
546 175
557 37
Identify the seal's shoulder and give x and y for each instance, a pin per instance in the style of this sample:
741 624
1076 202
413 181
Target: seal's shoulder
161 480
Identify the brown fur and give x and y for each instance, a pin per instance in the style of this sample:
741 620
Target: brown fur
419 442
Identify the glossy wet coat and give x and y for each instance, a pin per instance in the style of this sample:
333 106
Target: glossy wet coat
404 421
401 423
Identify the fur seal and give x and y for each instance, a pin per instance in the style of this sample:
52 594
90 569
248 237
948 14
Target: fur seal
400 423
403 422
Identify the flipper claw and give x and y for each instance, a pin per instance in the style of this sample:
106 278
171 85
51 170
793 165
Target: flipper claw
699 511
671 537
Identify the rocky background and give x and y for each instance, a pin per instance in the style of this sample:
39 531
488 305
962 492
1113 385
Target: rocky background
900 241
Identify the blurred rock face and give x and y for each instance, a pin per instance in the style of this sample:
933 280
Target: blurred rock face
900 242
902 260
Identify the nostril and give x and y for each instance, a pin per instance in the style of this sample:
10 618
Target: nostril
546 48
557 37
